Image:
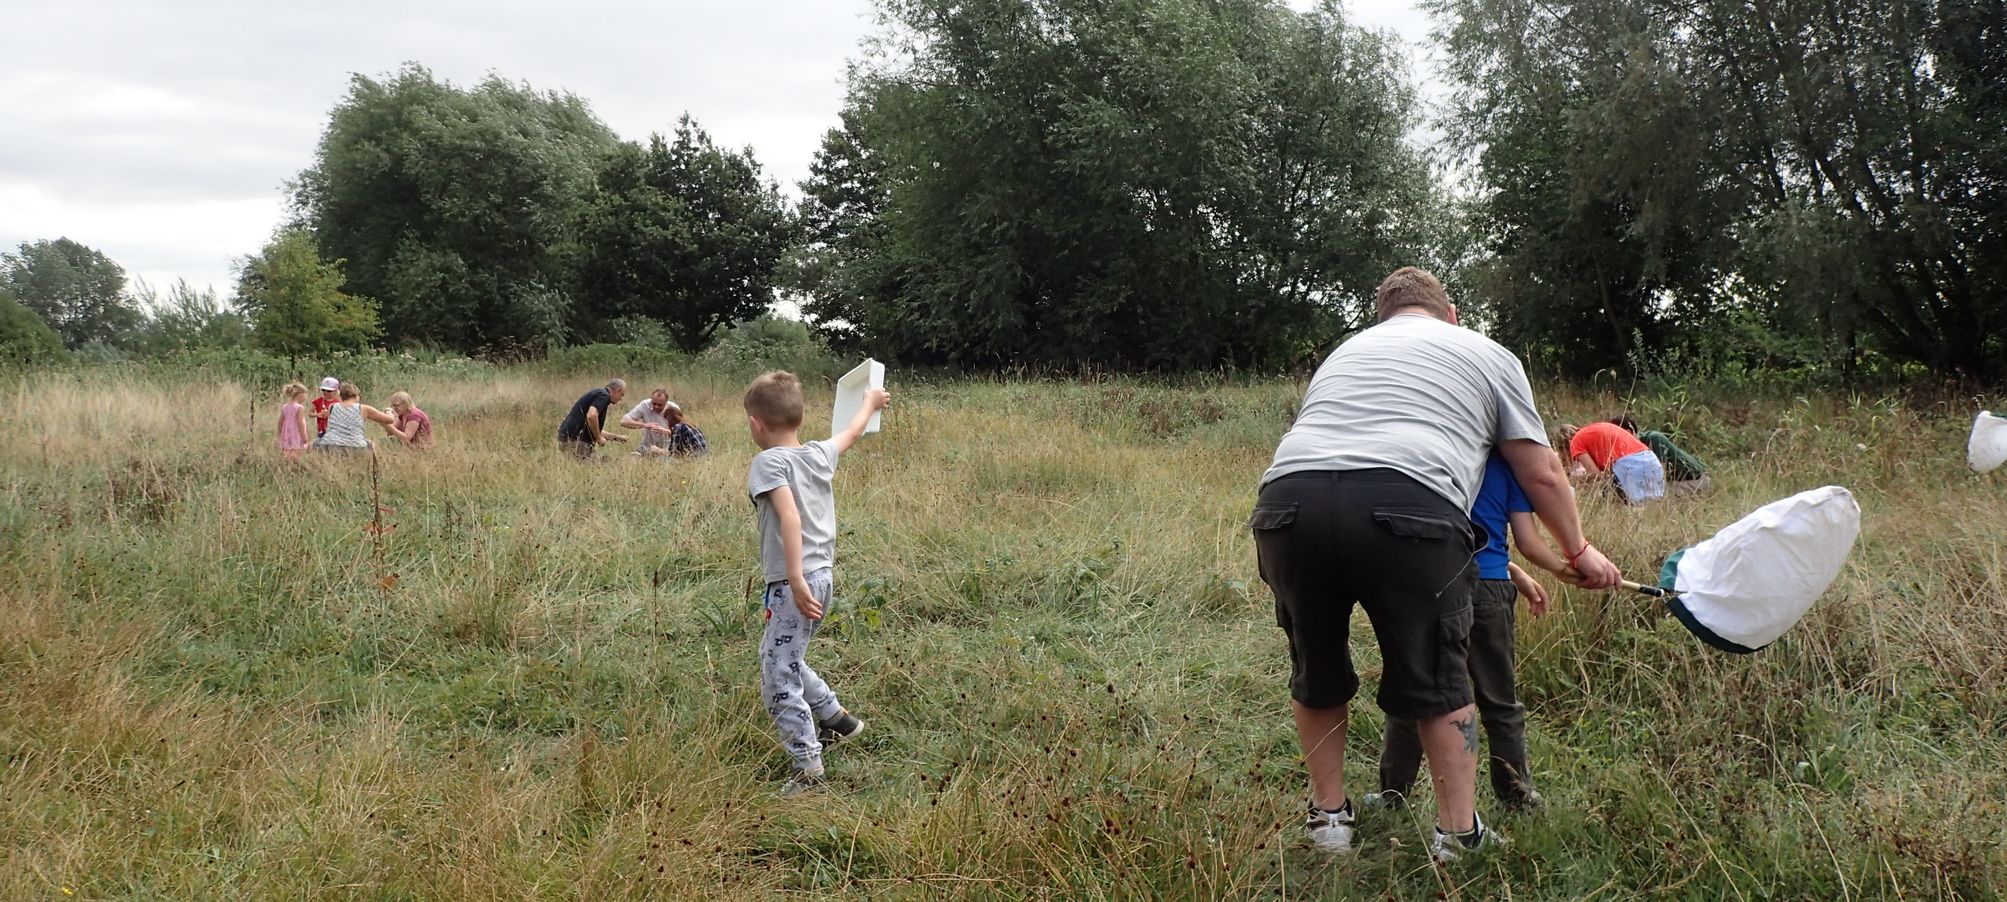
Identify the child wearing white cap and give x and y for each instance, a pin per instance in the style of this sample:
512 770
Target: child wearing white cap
330 389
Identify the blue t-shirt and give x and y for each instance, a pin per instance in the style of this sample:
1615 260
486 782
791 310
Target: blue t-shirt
1499 496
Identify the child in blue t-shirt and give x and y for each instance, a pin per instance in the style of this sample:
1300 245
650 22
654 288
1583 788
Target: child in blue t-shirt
1500 502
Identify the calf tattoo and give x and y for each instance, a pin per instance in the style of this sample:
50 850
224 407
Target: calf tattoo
1468 726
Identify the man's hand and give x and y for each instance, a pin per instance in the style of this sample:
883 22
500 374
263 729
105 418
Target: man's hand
1593 570
804 600
1536 594
876 399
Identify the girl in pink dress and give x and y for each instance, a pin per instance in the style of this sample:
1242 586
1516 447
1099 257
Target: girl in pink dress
293 421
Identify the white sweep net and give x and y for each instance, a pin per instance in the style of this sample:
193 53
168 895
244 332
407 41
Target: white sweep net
1753 580
1988 448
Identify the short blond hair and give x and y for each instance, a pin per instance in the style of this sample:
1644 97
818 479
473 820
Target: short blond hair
348 390
775 400
403 397
1411 286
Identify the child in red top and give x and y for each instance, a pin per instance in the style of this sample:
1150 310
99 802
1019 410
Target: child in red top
1607 448
1598 445
330 393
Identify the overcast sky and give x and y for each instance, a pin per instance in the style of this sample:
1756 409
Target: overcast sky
163 133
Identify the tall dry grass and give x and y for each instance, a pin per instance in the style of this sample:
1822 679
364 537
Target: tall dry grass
1047 609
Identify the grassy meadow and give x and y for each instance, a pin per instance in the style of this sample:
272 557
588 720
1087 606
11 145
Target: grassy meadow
494 673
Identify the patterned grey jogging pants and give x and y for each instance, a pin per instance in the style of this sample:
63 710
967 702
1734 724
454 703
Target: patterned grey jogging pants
796 697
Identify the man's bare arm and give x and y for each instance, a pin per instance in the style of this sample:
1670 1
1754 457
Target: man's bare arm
1539 473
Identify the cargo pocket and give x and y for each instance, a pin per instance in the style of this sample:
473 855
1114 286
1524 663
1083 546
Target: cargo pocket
1267 523
1419 524
1271 516
1453 651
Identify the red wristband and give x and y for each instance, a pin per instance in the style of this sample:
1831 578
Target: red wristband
1578 555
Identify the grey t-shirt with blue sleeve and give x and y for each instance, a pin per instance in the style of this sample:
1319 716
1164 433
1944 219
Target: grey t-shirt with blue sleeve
1416 395
807 470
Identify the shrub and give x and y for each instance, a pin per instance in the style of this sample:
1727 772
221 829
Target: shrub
771 342
611 359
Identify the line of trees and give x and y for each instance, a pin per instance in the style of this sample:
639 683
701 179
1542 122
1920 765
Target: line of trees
1818 185
60 297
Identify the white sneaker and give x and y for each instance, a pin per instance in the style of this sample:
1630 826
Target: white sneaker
1330 831
1449 847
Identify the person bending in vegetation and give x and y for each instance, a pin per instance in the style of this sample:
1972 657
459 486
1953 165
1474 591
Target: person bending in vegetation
790 486
1368 502
665 431
1685 474
1601 451
345 421
584 428
1501 504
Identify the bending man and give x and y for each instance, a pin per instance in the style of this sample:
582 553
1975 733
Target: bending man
584 428
1368 501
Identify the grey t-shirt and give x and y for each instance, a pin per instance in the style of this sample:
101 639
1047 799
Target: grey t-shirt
1416 395
806 470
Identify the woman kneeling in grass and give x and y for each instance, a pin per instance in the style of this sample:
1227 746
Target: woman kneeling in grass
413 427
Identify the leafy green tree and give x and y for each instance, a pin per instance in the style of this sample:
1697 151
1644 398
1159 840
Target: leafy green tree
187 318
682 233
1155 185
1776 183
837 267
76 290
24 337
296 304
456 208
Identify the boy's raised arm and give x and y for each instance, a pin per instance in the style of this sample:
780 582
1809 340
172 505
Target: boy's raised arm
789 518
874 401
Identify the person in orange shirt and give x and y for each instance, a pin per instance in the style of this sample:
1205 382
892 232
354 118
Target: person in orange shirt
1601 450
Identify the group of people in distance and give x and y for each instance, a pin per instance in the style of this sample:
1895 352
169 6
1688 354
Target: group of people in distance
339 416
1416 454
339 419
665 430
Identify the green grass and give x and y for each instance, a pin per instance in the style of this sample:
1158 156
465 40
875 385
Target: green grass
1047 609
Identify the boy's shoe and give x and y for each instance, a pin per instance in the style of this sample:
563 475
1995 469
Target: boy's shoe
802 781
1330 831
1449 847
839 728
